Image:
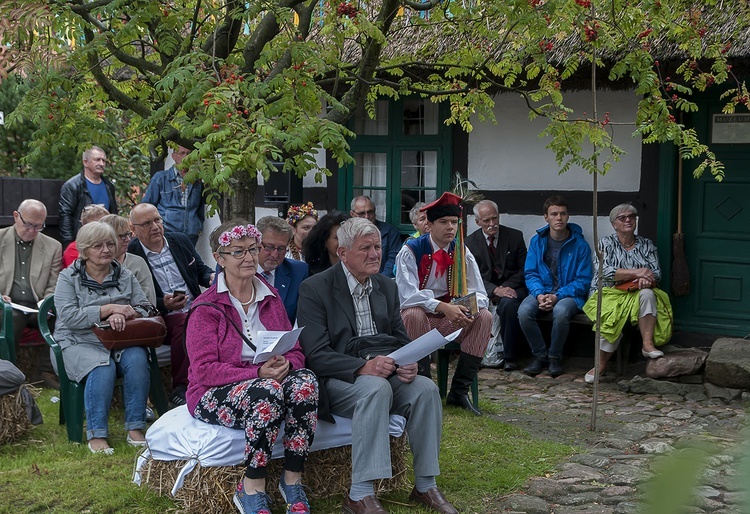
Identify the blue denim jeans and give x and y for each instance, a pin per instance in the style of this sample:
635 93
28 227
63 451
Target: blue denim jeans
561 314
100 384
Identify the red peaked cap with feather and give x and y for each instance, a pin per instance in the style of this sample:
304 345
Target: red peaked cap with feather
448 204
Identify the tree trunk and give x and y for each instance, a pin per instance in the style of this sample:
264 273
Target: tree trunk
242 203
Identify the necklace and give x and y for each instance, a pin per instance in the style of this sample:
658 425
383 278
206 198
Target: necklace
251 300
628 245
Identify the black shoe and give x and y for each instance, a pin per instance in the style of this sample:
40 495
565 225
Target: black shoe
537 366
555 368
177 398
463 402
510 365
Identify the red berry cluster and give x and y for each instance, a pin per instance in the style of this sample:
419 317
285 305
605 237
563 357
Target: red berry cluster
545 46
536 3
346 9
645 33
606 119
591 30
584 3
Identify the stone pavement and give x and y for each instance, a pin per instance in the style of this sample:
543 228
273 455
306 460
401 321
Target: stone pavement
641 424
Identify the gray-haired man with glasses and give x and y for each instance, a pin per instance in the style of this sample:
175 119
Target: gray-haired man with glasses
29 266
178 273
283 274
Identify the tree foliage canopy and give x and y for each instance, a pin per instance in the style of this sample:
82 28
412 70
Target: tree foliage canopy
272 80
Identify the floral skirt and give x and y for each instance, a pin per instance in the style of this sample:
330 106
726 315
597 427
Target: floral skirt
258 406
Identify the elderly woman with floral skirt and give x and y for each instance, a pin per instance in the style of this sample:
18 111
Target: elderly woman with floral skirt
630 276
227 389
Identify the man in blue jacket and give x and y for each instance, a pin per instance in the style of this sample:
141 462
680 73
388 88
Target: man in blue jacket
284 274
181 205
558 275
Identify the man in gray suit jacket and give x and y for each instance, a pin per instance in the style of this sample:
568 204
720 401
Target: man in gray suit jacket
352 299
29 265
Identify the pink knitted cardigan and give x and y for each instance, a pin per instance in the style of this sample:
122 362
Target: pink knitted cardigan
215 348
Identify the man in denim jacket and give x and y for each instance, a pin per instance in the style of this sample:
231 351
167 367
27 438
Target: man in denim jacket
181 205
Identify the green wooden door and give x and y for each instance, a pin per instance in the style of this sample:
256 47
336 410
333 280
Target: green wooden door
717 237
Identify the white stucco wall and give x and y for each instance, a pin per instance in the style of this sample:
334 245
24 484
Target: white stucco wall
510 155
528 224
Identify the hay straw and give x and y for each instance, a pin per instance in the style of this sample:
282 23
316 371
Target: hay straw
13 420
210 489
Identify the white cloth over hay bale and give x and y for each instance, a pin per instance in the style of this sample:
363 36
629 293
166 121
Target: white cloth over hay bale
200 464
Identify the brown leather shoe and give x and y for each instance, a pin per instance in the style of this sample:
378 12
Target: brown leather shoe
433 499
367 505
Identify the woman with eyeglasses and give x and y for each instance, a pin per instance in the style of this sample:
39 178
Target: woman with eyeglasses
93 289
630 276
135 263
226 388
92 212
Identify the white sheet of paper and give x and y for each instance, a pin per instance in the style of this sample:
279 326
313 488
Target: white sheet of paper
422 346
274 342
25 310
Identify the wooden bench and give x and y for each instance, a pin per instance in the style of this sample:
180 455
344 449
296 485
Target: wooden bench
623 349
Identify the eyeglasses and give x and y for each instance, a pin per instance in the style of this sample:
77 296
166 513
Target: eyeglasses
271 248
31 226
147 224
100 246
125 236
625 217
240 254
363 214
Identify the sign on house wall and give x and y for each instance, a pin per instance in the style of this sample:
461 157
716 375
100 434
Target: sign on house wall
730 129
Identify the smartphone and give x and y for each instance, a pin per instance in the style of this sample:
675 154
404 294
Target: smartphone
178 292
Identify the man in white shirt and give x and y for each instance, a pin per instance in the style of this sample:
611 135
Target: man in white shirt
426 268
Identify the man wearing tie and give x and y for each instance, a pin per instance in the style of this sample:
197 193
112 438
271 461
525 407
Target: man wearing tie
501 254
284 274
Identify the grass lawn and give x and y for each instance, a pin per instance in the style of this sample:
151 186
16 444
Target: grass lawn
481 459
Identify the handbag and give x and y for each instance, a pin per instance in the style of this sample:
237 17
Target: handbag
368 347
148 332
627 285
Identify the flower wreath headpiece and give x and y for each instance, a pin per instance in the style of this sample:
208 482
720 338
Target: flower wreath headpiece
297 212
238 232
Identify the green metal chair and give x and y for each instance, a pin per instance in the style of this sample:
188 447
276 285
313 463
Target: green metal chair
7 340
71 392
443 355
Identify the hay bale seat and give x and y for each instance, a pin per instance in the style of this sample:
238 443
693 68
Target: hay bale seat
13 419
202 484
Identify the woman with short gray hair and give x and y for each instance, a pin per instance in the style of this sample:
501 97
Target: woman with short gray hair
93 289
630 276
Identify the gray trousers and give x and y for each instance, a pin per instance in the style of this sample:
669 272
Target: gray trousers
368 402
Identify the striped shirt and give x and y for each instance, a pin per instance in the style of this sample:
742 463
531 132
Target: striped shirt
361 297
642 255
166 272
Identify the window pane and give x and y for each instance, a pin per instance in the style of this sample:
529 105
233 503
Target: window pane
365 126
420 117
418 179
370 169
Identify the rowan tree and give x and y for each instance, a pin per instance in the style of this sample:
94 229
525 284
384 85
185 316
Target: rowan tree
244 84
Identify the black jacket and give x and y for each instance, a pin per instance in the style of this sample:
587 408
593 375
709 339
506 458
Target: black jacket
74 196
189 263
509 260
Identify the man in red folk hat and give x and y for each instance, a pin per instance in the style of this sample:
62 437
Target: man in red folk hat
432 270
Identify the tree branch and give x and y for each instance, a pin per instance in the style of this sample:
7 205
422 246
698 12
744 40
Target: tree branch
222 41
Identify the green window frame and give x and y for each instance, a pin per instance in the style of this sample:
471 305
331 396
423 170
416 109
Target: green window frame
401 157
